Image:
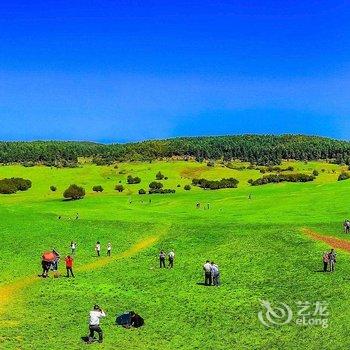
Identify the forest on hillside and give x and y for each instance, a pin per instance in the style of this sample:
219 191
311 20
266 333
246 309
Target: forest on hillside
257 149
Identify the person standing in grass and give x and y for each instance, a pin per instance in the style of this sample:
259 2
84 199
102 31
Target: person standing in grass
325 259
54 265
94 323
332 260
207 273
162 257
69 265
109 248
215 273
73 246
171 257
98 248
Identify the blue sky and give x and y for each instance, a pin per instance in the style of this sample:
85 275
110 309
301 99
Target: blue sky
116 71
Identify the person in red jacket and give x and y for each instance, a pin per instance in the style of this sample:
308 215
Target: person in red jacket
69 265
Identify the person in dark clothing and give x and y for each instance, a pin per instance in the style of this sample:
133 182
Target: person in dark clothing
162 257
46 267
134 321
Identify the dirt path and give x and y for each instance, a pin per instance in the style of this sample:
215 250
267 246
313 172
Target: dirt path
10 291
334 242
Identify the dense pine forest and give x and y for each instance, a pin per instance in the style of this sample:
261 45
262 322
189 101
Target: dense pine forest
257 149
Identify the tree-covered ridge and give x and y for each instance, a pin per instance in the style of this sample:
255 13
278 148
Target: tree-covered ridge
259 149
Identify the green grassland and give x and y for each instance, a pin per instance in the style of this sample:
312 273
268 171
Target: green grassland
257 242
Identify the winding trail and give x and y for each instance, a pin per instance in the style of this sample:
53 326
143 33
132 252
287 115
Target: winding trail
9 291
334 242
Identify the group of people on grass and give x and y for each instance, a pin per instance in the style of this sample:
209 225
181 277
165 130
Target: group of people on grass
98 248
128 320
198 205
211 274
50 260
162 258
329 260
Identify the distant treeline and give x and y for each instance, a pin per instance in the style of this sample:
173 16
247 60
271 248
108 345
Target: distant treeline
257 149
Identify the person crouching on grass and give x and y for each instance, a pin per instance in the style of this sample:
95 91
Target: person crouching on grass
207 273
69 265
94 324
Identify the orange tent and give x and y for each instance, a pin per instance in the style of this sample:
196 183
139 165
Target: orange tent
48 256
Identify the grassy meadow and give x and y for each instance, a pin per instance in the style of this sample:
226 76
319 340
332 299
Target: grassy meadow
257 243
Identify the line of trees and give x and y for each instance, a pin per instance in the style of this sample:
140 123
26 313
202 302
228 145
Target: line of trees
257 149
275 178
215 184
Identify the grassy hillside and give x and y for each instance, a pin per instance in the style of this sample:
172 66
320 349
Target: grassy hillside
257 243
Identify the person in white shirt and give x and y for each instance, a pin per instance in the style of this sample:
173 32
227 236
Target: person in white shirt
207 273
171 257
94 323
73 246
109 248
98 248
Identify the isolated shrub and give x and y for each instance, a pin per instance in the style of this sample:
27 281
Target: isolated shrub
187 187
133 180
97 188
159 176
9 186
142 191
74 192
154 185
165 178
343 176
216 184
315 173
178 185
53 188
119 188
